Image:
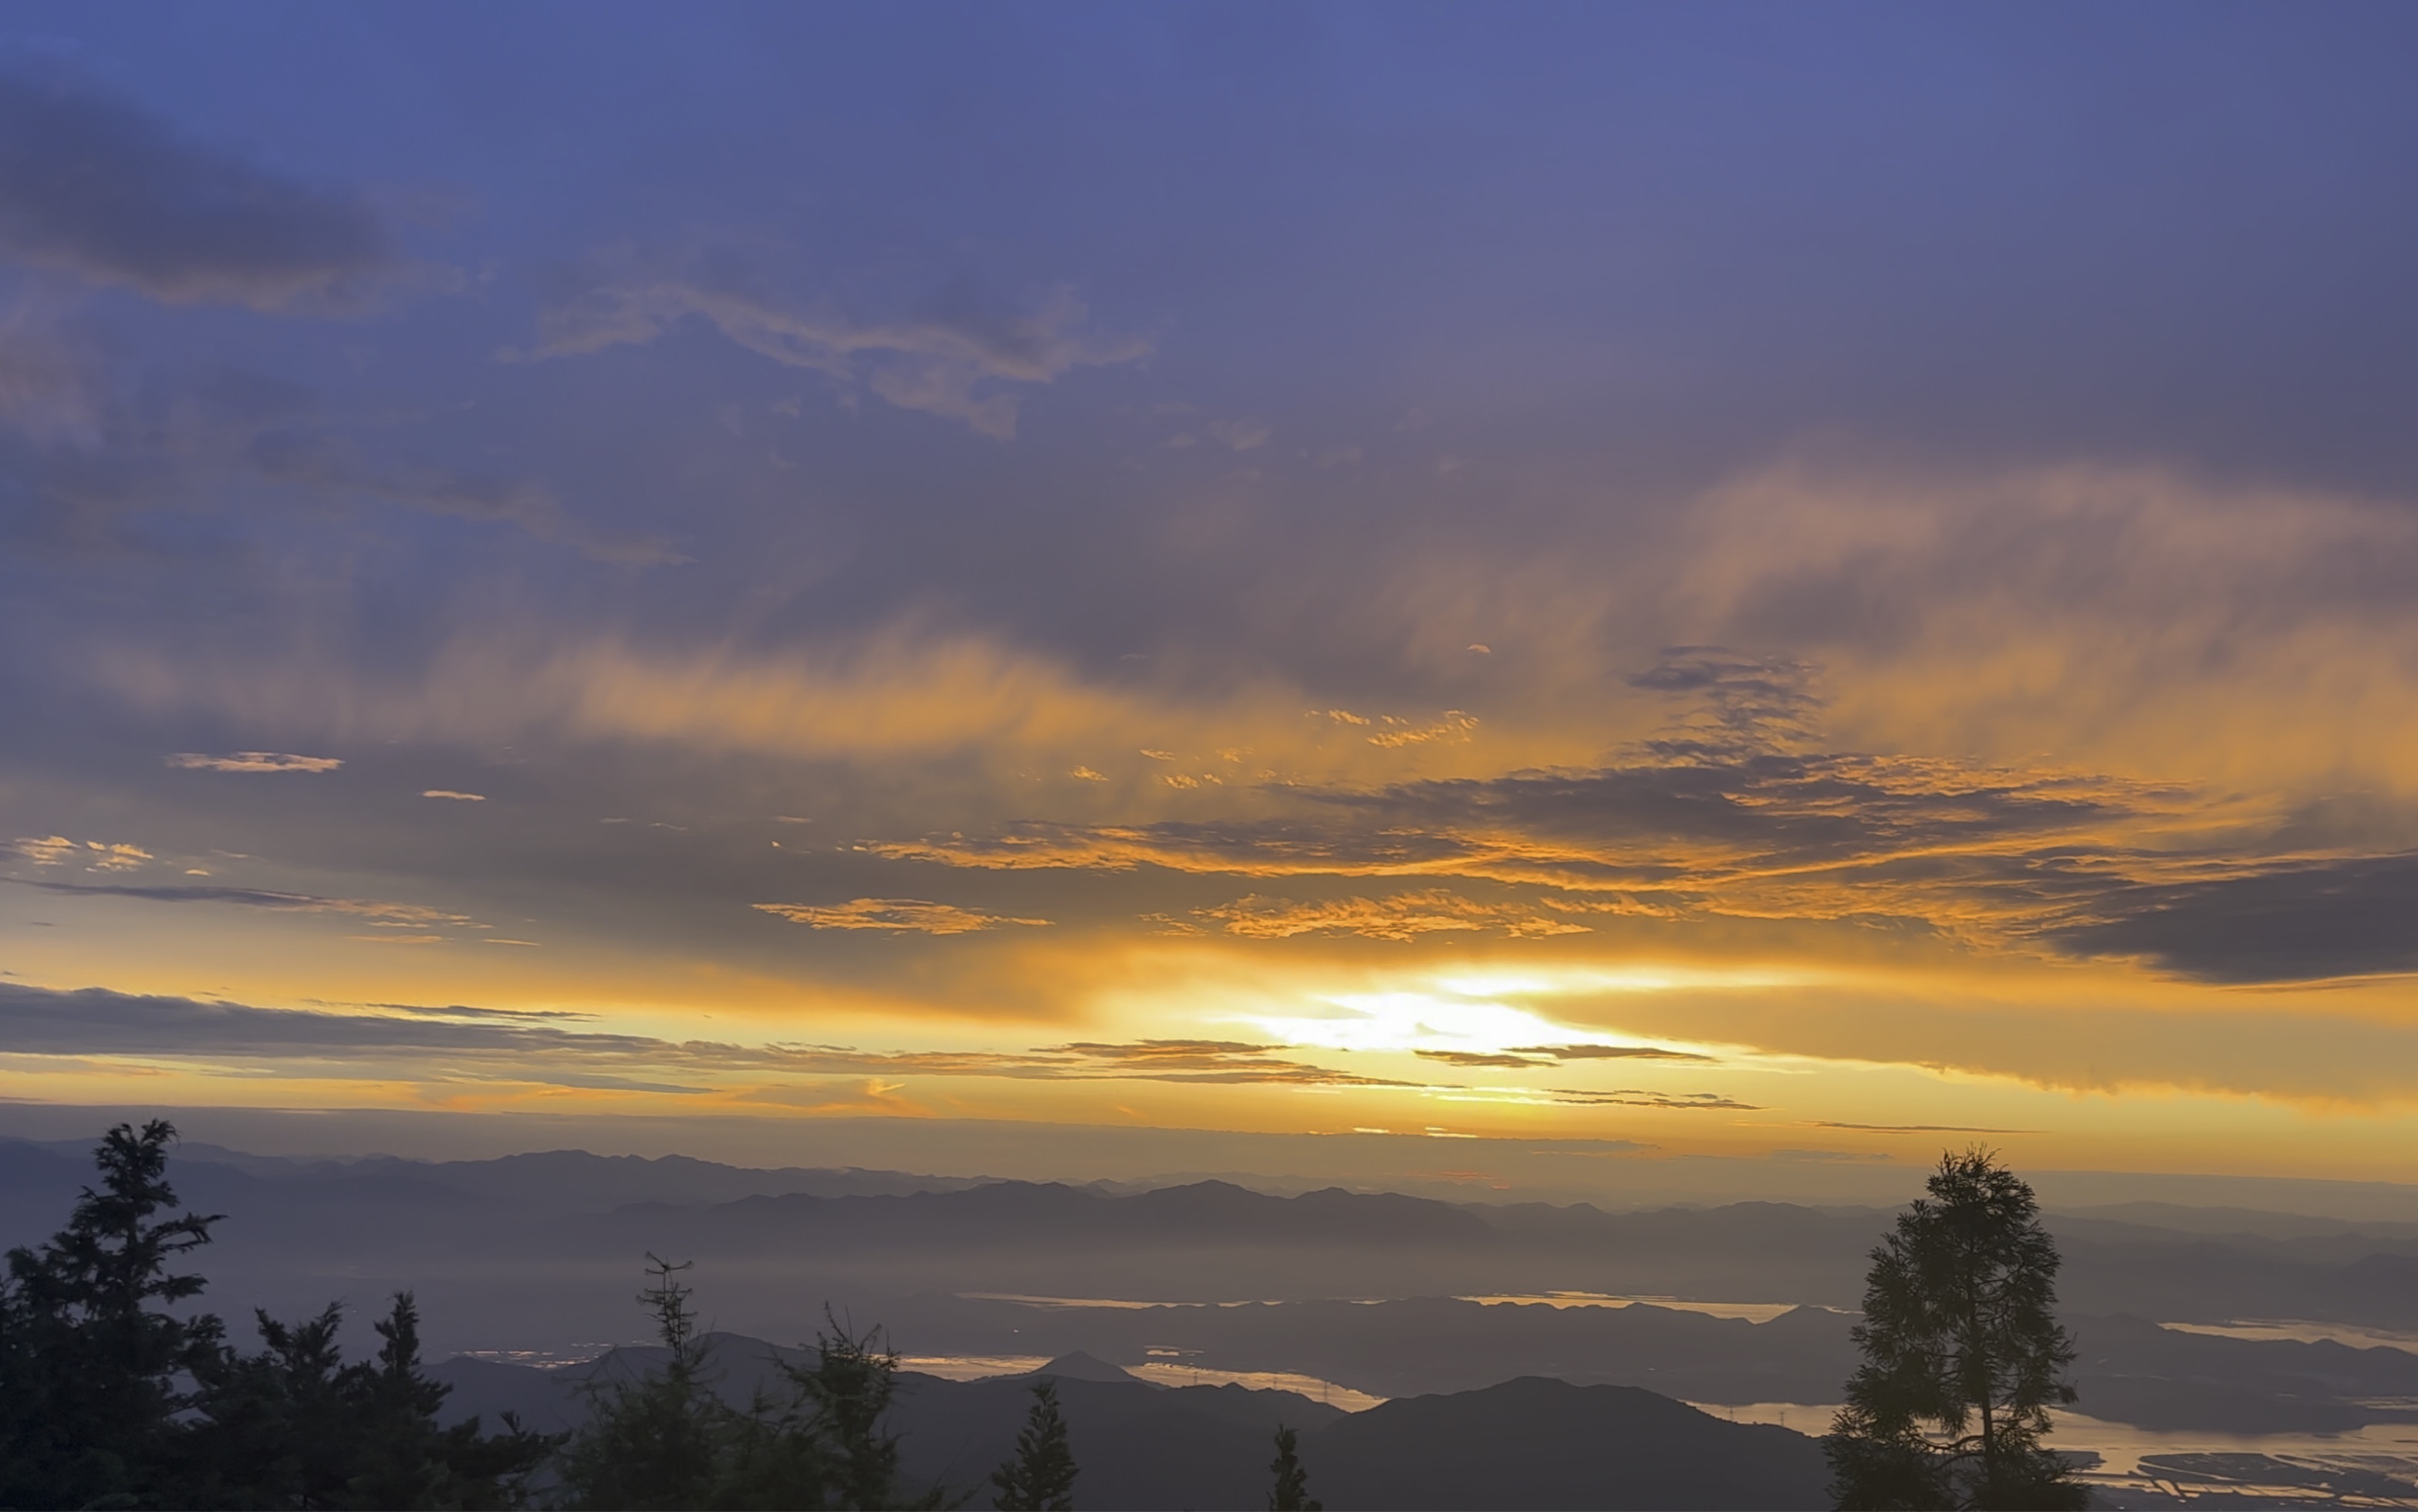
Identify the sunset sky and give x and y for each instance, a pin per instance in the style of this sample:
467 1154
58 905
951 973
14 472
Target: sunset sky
1721 579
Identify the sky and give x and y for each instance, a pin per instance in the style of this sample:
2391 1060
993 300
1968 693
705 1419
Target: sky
1737 581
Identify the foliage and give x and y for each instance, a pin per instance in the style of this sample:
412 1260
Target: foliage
845 1394
1962 1355
1041 1477
1292 1492
669 1439
654 1441
110 1398
90 1356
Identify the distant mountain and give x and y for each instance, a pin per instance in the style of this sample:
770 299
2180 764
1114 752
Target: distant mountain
542 1252
1548 1444
1529 1443
1080 1366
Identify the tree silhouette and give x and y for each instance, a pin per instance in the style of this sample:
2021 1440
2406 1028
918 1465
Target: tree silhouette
90 1356
1041 1477
107 1398
654 1442
1292 1492
846 1394
1962 1355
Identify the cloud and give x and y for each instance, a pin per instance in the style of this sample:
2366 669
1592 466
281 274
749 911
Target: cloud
1400 916
1478 1058
459 797
2293 922
1241 434
387 915
957 360
491 1045
254 761
1639 1097
98 855
1607 1052
898 915
100 188
1680 829
1454 726
1743 703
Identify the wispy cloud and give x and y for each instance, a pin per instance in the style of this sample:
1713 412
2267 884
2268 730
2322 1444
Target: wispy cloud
440 1043
1400 916
962 358
254 761
897 915
401 915
96 855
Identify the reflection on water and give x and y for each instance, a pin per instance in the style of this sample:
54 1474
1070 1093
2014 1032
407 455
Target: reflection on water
1753 1312
1159 1372
1168 1374
971 1366
542 1359
1124 1302
2311 1468
2304 1332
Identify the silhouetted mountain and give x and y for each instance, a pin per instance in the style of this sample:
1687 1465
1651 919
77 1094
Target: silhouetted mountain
1080 1366
1529 1443
1545 1445
541 1252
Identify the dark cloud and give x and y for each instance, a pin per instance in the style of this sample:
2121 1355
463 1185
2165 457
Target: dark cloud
1744 702
1607 1052
99 186
499 1045
1475 1058
2038 859
1654 829
1640 1097
372 909
2312 921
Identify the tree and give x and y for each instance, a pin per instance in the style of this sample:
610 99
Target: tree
403 1457
654 1442
1292 1492
845 1395
1962 1355
1041 1477
91 1358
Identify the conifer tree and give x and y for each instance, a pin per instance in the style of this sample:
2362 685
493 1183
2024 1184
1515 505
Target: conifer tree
91 1358
1962 1355
403 1457
1041 1477
846 1394
652 1442
1292 1492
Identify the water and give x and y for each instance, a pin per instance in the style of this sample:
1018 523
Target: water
1165 1372
2390 1449
1753 1312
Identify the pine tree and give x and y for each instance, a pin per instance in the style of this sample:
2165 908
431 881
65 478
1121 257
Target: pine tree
652 1442
845 1394
90 1355
1041 1477
404 1458
1292 1492
1962 1355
